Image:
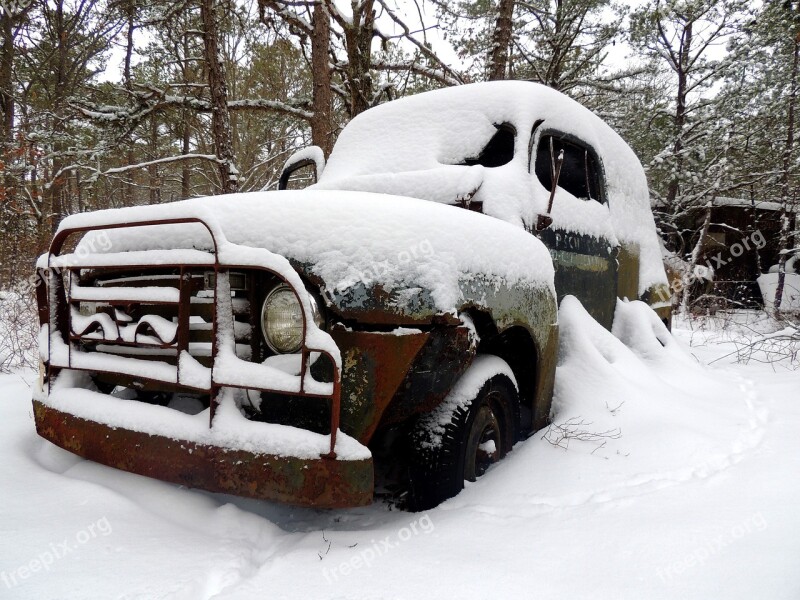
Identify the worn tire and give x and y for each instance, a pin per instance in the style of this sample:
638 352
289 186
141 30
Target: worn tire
440 463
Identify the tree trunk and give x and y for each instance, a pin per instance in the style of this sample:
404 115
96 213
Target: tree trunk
78 192
218 87
554 68
7 104
186 132
130 10
54 202
501 40
322 121
786 190
358 41
6 78
682 68
152 170
186 173
695 257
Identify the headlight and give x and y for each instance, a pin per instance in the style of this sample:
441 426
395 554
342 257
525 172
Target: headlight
282 320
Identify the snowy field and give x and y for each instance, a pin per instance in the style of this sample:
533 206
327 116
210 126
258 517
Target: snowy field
671 472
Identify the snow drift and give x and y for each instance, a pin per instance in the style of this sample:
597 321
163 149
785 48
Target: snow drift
632 412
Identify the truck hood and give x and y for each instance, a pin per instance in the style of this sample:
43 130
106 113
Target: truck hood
364 250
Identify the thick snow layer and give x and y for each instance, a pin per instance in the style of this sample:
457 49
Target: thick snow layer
448 184
128 294
389 148
192 373
164 329
695 499
346 237
103 259
229 368
747 203
651 391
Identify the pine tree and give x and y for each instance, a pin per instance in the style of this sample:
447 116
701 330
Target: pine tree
681 39
560 43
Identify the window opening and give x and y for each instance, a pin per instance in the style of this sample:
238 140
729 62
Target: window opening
498 151
580 172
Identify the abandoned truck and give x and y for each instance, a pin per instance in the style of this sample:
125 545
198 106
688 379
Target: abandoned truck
399 316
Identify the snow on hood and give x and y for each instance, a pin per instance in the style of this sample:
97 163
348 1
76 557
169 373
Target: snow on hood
344 238
390 148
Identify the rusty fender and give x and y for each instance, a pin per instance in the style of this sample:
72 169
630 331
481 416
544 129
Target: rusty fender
388 378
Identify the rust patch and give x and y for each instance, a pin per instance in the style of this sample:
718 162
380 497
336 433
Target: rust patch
446 355
373 367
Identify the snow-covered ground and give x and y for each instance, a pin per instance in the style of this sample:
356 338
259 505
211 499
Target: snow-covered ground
666 477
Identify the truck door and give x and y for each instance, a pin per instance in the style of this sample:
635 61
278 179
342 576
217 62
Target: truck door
584 257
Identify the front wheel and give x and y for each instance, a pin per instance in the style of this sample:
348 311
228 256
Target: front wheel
474 427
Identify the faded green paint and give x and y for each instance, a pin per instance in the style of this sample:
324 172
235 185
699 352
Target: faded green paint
533 309
364 398
387 378
545 379
585 267
581 262
628 277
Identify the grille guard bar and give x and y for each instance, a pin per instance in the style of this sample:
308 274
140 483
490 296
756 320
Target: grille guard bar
54 310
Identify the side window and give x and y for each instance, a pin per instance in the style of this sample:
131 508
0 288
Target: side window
499 150
580 174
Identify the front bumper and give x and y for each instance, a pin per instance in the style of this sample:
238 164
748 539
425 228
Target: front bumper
320 482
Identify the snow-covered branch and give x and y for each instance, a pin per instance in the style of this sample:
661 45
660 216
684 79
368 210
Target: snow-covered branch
97 173
152 100
424 49
440 75
158 161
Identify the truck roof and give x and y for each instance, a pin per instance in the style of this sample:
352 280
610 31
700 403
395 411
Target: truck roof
427 146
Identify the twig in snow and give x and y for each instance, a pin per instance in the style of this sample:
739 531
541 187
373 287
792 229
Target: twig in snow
561 434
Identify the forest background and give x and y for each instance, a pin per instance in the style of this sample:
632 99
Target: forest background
109 103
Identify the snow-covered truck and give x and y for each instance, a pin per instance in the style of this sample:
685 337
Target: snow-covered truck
399 316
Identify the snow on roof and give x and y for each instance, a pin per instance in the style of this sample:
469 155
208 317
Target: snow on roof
417 146
345 238
747 203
